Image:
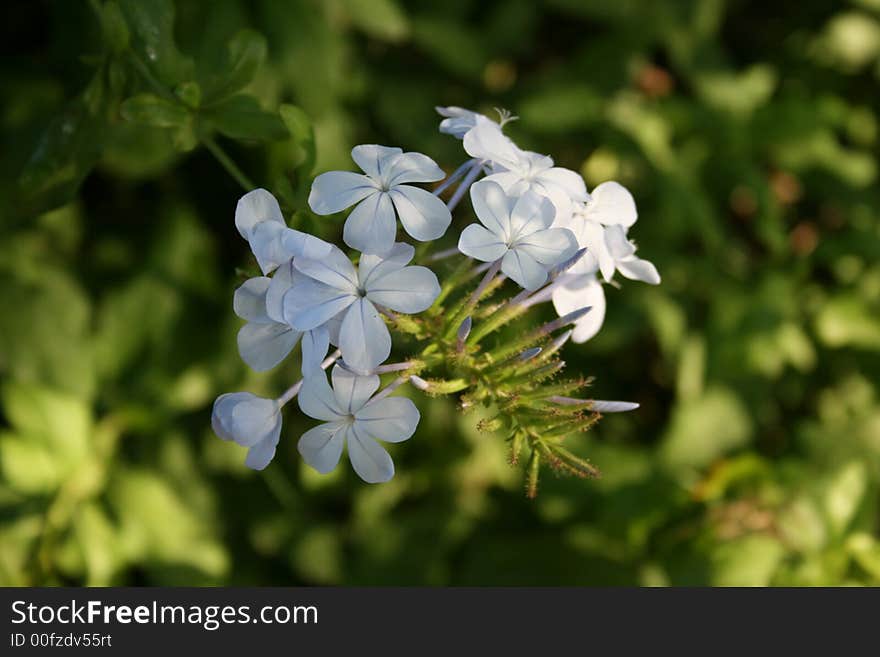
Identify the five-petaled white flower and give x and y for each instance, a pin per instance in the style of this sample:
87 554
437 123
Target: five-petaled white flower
351 417
601 225
517 230
333 288
259 220
252 422
519 171
377 196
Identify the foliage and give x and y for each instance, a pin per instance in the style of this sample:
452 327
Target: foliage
748 138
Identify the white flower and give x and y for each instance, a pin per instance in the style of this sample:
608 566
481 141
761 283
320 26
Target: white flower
519 171
352 418
259 220
333 288
252 422
517 230
267 339
458 121
377 196
576 291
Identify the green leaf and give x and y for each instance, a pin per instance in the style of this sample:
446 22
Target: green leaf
241 117
382 19
28 465
747 561
151 110
63 421
302 134
152 26
844 495
246 53
114 27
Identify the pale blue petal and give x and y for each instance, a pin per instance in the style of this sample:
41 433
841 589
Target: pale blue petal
267 246
281 281
321 447
393 419
611 203
492 206
263 346
371 227
408 290
302 245
261 454
255 420
334 269
618 246
336 190
368 458
567 180
309 304
549 247
249 300
363 337
352 390
581 292
523 269
315 344
256 207
485 141
221 415
477 242
374 266
424 216
374 159
316 399
637 269
412 168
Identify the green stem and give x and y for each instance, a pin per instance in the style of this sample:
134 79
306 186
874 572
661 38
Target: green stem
227 163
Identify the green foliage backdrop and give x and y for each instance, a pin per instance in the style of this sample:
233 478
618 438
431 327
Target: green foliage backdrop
748 134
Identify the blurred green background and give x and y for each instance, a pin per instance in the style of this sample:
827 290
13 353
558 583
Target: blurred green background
748 134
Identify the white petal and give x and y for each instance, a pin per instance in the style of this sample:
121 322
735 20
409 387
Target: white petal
409 290
374 159
255 207
611 203
334 269
603 406
523 269
363 337
492 206
316 399
321 447
549 247
486 142
458 120
263 346
511 182
308 304
566 179
336 190
580 292
302 245
315 344
249 300
424 216
637 269
261 454
374 266
479 243
266 244
393 419
618 246
371 226
592 236
281 281
530 213
412 168
368 458
352 390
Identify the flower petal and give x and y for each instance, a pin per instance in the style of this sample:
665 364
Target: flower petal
523 269
580 292
321 447
637 269
266 244
374 159
412 168
334 269
549 247
221 414
302 245
479 243
280 282
530 213
316 399
486 142
424 216
336 190
371 227
618 246
408 290
263 346
315 344
492 206
363 337
256 207
592 236
368 458
308 303
255 420
393 419
261 454
249 300
611 203
566 179
352 390
374 266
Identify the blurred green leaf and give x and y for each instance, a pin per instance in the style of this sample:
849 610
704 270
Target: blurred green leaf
241 117
382 19
152 26
246 52
151 110
302 134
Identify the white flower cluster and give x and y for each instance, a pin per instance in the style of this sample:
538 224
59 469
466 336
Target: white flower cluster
538 226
